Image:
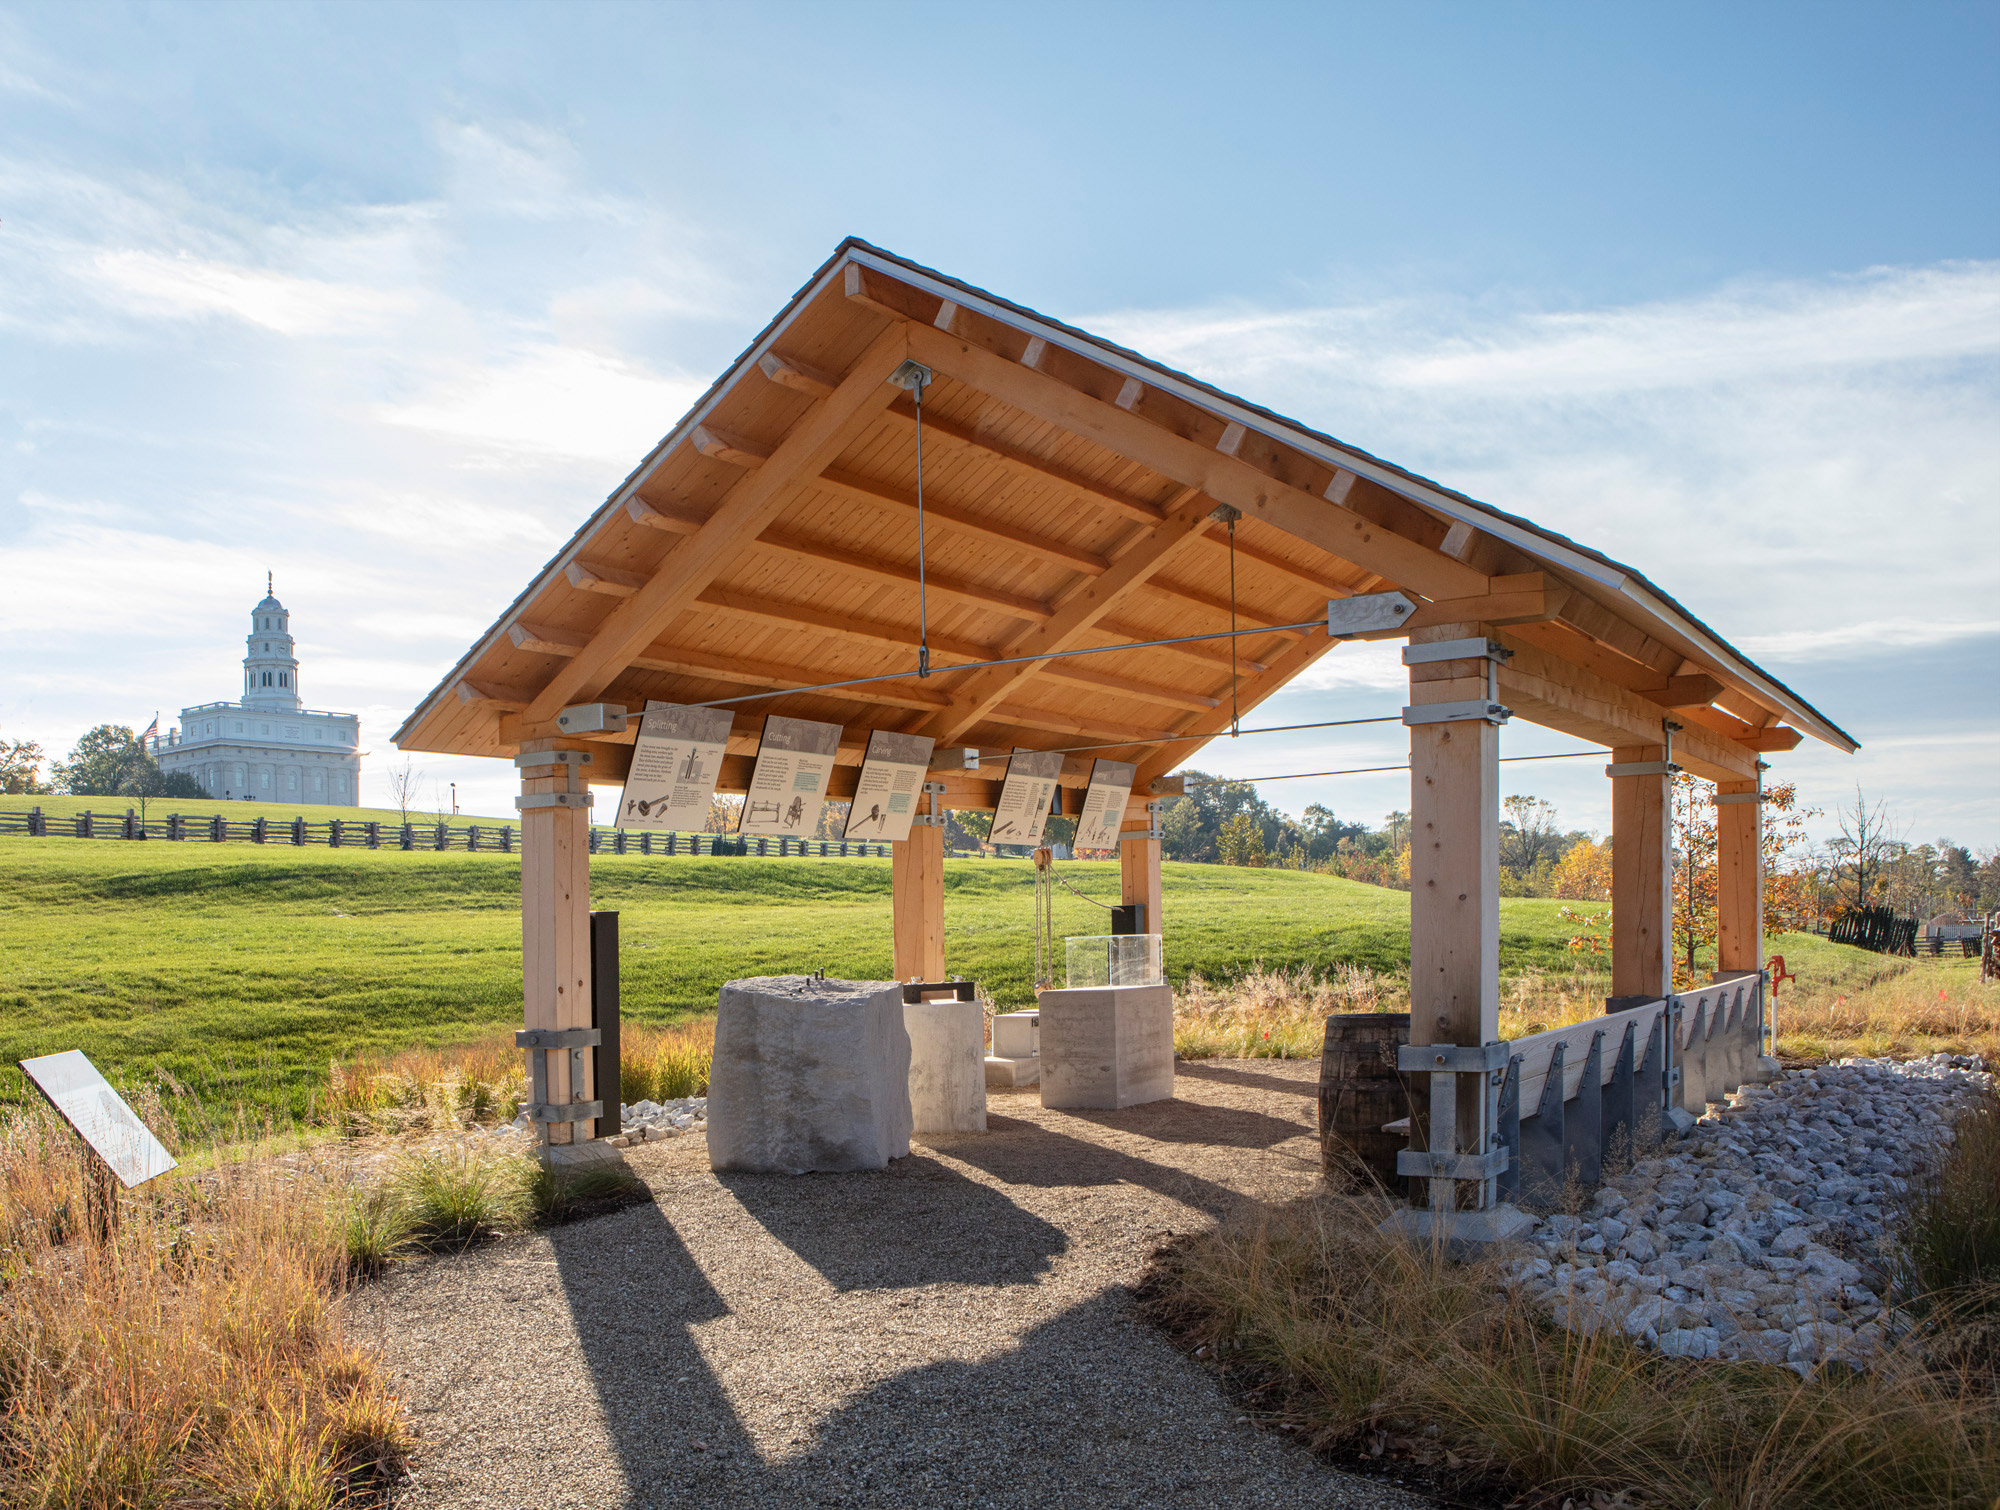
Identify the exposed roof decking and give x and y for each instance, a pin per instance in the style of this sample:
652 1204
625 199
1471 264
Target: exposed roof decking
1056 469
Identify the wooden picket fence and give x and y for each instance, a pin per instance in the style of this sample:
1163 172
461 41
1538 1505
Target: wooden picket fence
348 833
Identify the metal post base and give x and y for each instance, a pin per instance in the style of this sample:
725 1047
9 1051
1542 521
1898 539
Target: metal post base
1460 1230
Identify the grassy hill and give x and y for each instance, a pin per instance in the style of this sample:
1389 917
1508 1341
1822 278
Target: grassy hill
243 971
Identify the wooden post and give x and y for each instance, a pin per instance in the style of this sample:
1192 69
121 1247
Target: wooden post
1739 876
1139 867
916 897
555 913
1454 874
1642 881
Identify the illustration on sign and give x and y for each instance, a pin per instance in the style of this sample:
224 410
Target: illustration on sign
676 761
892 778
1024 797
1104 804
788 786
100 1116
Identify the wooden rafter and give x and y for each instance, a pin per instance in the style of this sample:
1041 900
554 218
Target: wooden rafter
808 449
1041 468
955 516
1333 527
1196 731
1075 616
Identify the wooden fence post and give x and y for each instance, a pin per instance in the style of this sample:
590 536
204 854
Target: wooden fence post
555 909
916 896
1739 875
1642 880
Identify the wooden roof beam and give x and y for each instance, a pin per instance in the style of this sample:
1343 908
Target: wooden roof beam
1075 616
1199 730
825 554
748 508
723 445
789 372
1333 527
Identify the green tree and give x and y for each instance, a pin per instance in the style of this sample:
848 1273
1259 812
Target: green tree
1241 841
104 762
20 767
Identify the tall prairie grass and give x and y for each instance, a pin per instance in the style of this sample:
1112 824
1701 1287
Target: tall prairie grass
1374 1347
191 1354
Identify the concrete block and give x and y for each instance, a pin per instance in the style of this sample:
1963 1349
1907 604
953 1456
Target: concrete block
1016 1057
1107 1046
947 1073
809 1075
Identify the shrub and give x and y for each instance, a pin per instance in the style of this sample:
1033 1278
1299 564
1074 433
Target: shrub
560 1195
453 1198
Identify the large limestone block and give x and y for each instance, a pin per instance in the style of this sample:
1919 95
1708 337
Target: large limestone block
1107 1046
809 1075
947 1065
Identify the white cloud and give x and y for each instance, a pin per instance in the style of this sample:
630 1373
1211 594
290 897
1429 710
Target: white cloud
187 287
1870 636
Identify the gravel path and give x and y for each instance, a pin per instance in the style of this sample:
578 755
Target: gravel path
953 1331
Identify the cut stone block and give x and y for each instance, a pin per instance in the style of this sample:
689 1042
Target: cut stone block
809 1075
1107 1046
947 1077
1015 1060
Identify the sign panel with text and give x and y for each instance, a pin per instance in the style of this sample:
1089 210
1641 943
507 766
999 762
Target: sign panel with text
892 778
1104 804
100 1115
676 761
788 786
1024 797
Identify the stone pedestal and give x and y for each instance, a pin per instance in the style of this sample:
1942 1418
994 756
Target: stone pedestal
1107 1046
947 1068
809 1075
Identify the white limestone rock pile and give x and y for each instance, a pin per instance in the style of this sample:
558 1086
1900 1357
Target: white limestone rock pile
809 1074
1739 1239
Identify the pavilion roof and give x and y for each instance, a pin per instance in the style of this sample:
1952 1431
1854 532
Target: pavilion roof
769 543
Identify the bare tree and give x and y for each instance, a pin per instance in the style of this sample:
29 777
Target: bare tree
1528 835
1868 842
406 785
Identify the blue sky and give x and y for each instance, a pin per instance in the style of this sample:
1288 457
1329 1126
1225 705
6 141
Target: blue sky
385 299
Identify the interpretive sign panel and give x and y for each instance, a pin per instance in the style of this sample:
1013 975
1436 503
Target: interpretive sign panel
1104 804
788 787
1024 797
892 778
675 762
100 1115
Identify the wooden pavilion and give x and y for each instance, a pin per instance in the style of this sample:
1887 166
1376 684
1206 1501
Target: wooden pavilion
1076 494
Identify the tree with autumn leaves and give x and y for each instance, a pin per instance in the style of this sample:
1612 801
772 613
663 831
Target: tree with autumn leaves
1696 879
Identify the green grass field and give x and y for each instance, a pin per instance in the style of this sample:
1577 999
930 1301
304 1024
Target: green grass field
243 971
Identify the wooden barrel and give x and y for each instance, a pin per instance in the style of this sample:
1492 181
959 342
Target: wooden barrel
1359 1092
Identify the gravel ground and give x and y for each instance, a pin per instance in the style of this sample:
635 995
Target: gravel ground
955 1330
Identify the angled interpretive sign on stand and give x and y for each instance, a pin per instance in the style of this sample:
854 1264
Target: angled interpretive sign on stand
1104 804
99 1115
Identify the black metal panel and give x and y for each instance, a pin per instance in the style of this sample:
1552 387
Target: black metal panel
1507 1133
1694 1060
1649 1088
1619 1143
1130 918
1583 1120
604 1017
1542 1142
940 990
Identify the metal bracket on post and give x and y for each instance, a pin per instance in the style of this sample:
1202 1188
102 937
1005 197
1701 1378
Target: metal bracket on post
577 1043
1152 830
1442 1164
935 817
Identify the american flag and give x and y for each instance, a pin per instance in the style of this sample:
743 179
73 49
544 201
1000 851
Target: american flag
151 729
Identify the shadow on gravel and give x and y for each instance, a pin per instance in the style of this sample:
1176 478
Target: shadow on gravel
1191 1122
913 1223
1044 1159
1197 1070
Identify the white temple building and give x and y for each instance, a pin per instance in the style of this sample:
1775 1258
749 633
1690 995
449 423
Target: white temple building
269 747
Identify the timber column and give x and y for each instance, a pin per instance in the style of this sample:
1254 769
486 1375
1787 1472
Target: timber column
555 917
1739 875
1642 878
916 892
1454 718
1139 866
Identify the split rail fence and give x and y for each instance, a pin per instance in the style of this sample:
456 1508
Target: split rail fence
346 833
1560 1107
